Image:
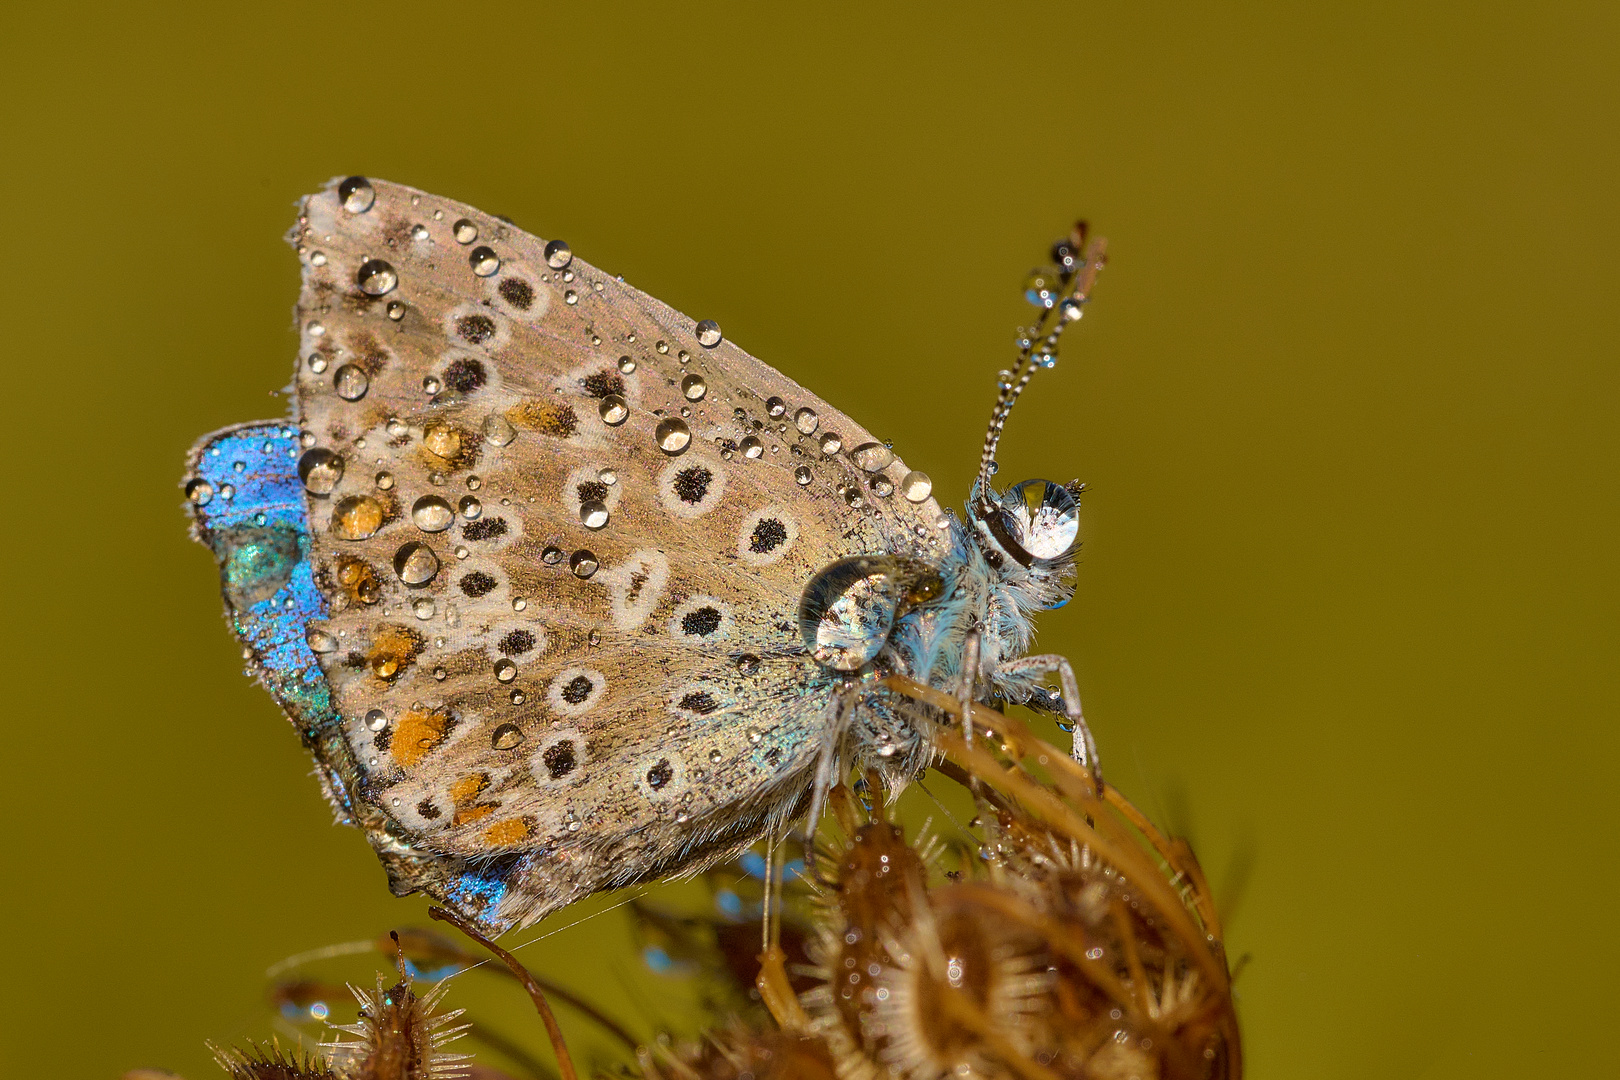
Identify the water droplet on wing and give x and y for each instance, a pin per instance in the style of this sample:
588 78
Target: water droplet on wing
484 261
350 382
694 387
498 431
415 563
806 420
432 514
505 670
593 514
613 410
356 517
583 563
200 492
916 486
558 254
506 736
464 231
320 470
356 194
872 457
673 435
802 474
708 333
376 278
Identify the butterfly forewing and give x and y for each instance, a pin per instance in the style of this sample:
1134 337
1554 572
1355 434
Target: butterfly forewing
562 532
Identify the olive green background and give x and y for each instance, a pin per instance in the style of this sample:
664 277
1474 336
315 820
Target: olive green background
1346 402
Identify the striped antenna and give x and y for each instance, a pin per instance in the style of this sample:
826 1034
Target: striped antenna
1061 291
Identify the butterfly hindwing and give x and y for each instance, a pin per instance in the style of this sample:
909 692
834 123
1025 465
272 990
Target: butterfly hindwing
555 537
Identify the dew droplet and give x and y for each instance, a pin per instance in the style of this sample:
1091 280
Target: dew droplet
320 470
583 563
356 517
317 363
552 555
613 410
385 481
376 719
607 476
830 443
506 736
419 231
319 640
397 427
498 431
200 492
424 607
442 439
715 757
752 447
748 663
916 486
694 387
484 261
505 670
350 382
775 406
708 333
317 258
396 310
315 329
802 474
356 194
882 486
376 278
432 514
415 563
806 420
470 507
673 435
570 297
872 457
592 514
594 637
464 231
558 254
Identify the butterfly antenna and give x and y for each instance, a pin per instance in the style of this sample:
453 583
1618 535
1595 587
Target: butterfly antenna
1060 291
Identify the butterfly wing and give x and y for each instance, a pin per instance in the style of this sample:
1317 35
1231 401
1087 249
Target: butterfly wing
561 532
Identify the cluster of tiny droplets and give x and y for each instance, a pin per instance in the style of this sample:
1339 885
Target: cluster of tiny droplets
1060 292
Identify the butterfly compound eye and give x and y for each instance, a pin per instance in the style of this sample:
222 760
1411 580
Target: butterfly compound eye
1036 521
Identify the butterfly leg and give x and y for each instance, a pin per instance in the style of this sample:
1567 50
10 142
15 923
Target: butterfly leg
1085 747
970 682
833 730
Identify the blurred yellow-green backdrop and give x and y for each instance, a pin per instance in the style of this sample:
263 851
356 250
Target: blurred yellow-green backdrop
1346 403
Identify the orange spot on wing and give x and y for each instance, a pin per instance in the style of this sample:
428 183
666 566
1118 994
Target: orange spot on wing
418 733
506 833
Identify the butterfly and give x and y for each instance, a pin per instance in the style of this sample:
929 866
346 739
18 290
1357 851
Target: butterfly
565 591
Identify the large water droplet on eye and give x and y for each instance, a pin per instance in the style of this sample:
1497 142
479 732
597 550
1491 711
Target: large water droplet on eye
484 261
415 563
464 231
916 486
506 736
830 443
583 563
1046 518
320 470
376 278
673 435
558 254
708 333
432 514
498 431
319 640
806 420
872 457
356 194
752 447
200 492
350 382
849 606
613 410
593 514
802 474
694 387
775 406
356 517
